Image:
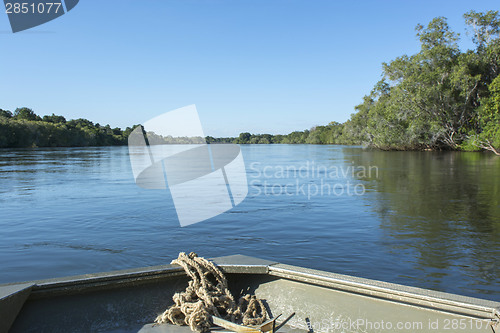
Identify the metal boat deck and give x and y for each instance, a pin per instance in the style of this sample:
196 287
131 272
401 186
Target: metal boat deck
129 300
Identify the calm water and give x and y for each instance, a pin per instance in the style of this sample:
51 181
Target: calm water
429 220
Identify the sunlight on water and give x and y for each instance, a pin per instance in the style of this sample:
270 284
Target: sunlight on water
430 220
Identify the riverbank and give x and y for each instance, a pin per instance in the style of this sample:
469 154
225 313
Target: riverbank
25 129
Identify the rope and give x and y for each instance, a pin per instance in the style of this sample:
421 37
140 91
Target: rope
207 294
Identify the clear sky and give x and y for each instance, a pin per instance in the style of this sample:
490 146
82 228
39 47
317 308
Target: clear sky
269 66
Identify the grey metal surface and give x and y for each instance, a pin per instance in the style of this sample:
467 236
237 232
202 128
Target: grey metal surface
322 309
129 300
168 328
125 298
7 290
129 306
12 298
392 292
121 278
102 281
243 264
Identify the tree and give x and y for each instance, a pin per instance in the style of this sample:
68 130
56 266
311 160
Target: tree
54 119
244 137
485 27
81 123
5 113
424 103
429 99
26 114
489 112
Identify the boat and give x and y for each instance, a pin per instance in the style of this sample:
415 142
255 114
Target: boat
306 300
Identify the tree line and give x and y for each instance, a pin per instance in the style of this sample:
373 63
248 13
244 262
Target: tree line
24 128
440 98
437 99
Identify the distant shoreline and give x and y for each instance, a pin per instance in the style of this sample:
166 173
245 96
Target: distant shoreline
56 132
26 130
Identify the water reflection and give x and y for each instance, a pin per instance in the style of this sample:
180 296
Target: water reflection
23 171
430 220
443 206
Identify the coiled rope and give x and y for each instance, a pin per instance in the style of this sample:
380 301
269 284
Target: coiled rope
207 294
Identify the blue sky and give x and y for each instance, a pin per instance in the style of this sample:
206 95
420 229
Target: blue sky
270 66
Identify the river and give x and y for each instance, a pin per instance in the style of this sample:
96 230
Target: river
425 219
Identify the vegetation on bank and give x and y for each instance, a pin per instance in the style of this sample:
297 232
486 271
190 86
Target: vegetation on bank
440 98
24 128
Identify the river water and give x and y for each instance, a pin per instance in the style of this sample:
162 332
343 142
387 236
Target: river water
425 219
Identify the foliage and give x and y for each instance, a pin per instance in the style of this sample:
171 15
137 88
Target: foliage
489 119
439 98
26 129
5 114
54 119
434 99
25 114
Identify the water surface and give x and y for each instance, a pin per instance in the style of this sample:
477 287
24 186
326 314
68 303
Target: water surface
424 219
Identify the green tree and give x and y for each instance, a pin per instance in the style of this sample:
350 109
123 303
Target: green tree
244 138
489 114
54 119
26 114
484 27
5 113
431 100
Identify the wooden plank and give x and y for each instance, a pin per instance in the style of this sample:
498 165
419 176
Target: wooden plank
234 327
